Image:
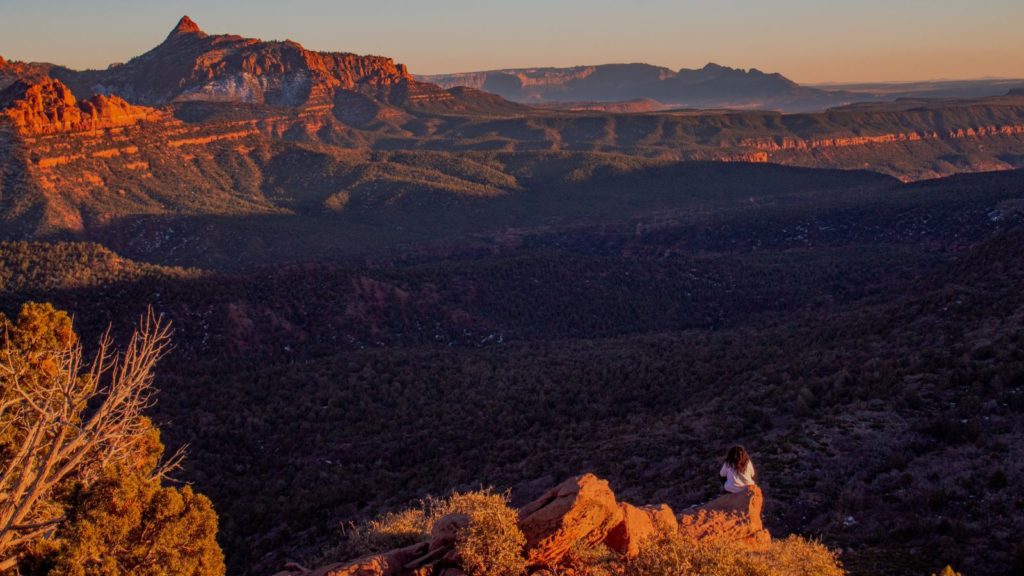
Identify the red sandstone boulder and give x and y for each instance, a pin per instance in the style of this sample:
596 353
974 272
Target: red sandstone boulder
581 510
735 516
639 525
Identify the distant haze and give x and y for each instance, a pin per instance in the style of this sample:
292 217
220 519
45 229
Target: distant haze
810 41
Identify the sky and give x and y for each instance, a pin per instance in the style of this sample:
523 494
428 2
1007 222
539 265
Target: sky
810 41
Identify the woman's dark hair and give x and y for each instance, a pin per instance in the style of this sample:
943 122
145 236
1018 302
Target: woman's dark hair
737 459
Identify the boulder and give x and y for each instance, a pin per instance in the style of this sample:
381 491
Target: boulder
639 525
581 510
445 531
735 516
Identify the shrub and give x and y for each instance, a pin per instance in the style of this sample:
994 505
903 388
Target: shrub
82 490
675 555
127 523
387 532
492 544
800 557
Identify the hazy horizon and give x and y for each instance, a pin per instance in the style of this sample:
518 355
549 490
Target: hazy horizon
906 41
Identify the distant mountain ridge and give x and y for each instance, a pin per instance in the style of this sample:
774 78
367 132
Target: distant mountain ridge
219 125
712 86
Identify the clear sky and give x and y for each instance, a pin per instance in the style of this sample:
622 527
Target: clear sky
807 40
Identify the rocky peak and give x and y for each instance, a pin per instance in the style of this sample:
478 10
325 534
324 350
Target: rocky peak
191 65
186 26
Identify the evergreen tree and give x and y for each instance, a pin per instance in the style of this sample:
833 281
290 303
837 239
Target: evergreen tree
80 466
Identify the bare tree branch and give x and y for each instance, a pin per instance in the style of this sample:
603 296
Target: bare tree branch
71 422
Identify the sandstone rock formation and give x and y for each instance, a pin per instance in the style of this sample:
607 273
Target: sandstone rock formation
580 512
639 525
735 516
48 107
12 71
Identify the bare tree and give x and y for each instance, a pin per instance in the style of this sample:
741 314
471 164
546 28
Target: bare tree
69 422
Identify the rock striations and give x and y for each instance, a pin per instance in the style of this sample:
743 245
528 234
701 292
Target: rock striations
581 512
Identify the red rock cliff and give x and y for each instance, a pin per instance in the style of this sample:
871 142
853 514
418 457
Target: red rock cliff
191 65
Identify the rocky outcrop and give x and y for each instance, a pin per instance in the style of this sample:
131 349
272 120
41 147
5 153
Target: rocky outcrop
581 512
578 511
11 72
49 107
639 525
735 516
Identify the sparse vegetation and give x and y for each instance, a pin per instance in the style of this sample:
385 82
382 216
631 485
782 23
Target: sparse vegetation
490 544
676 555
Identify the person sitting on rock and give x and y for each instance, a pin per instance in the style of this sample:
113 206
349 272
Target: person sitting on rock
737 470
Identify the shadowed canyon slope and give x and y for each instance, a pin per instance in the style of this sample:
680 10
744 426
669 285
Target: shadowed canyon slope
860 335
